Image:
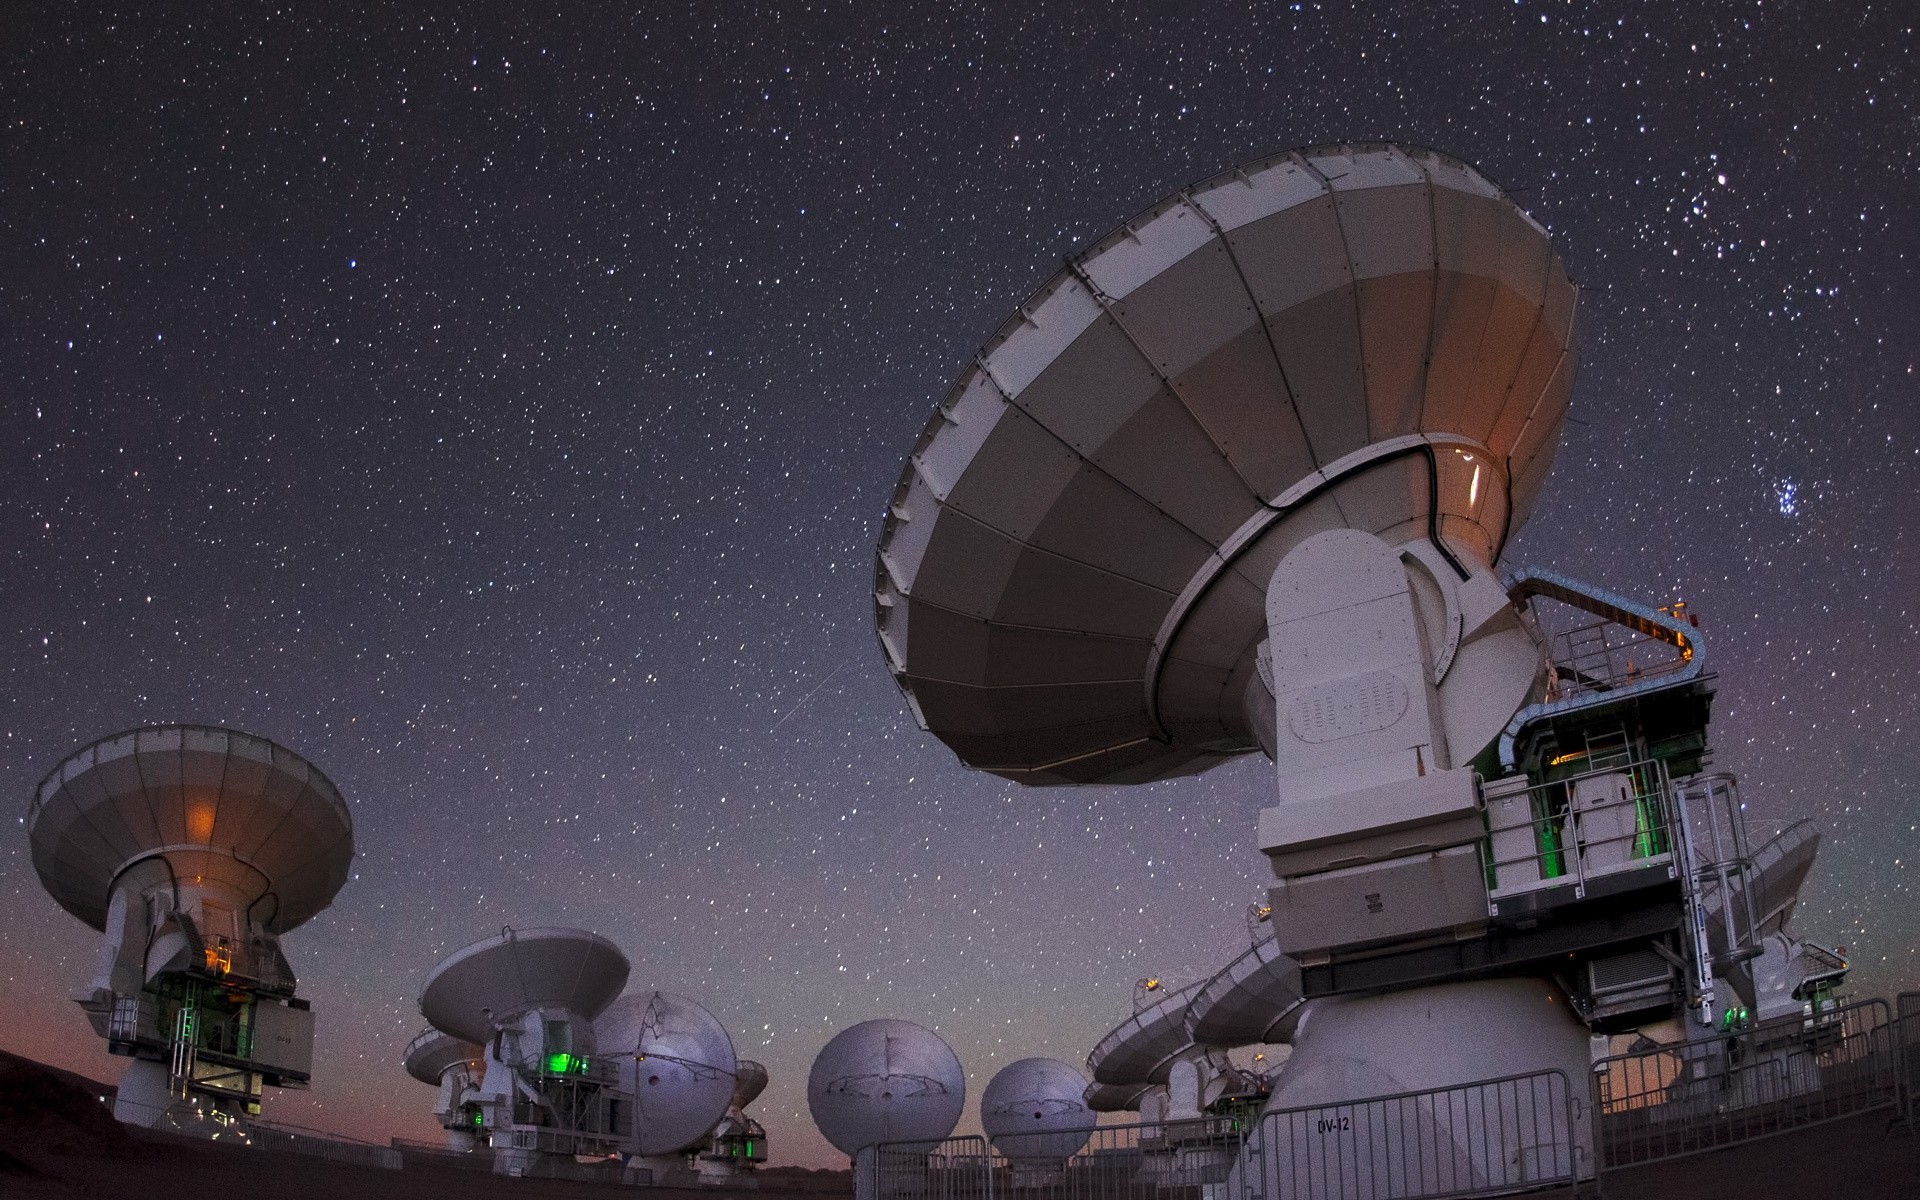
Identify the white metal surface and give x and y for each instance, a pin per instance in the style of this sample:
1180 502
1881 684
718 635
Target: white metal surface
1352 1047
1254 999
1142 1048
676 1061
885 1081
1035 1108
1115 1097
749 1080
1772 889
243 814
476 988
1070 583
431 1053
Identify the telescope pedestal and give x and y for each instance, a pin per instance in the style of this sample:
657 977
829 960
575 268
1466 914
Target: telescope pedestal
1352 1050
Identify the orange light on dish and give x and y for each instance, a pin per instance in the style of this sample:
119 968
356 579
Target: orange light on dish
200 821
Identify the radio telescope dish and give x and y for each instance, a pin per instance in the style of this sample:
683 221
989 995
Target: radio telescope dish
236 811
1254 999
191 849
457 1069
885 1081
749 1080
676 1061
492 981
1115 1097
1144 1047
432 1053
1035 1108
1071 582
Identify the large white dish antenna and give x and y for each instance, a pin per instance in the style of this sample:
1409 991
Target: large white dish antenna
431 1052
1035 1108
885 1081
676 1061
488 983
1071 581
232 810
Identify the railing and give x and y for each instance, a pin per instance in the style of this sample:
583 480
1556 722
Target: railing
1560 834
292 1139
191 1120
1495 1137
1146 1161
1672 1101
1604 656
439 1154
1906 1044
1480 1139
956 1168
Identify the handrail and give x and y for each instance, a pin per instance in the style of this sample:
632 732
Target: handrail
1692 1097
1618 609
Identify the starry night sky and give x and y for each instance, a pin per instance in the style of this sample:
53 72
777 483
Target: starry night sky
497 404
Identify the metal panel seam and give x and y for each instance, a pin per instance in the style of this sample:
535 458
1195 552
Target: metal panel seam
1105 302
1007 399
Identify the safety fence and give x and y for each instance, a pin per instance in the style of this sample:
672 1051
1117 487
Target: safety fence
439 1154
1500 1135
1110 1162
1669 1101
191 1119
1486 1138
1906 1013
291 1139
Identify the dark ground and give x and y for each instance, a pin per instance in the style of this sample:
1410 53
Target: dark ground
58 1142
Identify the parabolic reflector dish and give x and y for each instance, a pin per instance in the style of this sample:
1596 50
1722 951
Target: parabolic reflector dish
519 970
749 1080
1035 1108
1143 1047
1115 1097
1070 583
1769 888
431 1052
885 1081
677 1062
1255 998
217 803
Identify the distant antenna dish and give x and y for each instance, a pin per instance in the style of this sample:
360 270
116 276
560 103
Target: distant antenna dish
1254 999
529 996
1035 1109
432 1053
1071 583
1144 1047
885 1081
749 1080
192 849
676 1061
1116 1097
456 1068
221 806
473 991
738 1144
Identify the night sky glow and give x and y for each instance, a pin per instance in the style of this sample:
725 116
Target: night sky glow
496 405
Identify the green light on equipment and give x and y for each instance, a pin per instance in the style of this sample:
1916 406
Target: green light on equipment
566 1064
